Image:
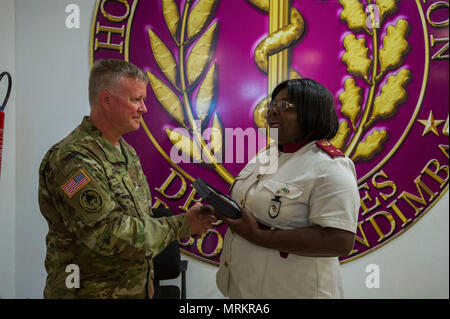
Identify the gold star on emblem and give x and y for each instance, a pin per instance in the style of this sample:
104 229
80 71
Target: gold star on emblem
430 124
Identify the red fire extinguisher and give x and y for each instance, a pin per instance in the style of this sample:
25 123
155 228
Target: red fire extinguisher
2 114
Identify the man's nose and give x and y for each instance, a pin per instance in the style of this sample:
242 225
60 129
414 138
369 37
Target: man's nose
143 108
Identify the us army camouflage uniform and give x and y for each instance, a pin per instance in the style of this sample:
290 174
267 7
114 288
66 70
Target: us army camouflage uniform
102 223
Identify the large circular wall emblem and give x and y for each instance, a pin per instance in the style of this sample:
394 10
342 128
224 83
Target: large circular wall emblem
212 64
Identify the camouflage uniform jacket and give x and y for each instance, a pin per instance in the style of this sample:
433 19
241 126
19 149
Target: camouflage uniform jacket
97 203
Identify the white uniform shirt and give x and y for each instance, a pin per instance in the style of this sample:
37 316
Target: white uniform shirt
313 188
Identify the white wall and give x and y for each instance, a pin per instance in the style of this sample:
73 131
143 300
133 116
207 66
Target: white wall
415 265
7 179
52 67
51 72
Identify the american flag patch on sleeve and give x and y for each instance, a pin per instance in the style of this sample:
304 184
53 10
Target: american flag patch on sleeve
77 182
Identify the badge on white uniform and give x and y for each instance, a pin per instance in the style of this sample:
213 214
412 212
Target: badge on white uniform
274 208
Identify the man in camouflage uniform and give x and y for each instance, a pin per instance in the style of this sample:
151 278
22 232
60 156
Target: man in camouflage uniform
96 200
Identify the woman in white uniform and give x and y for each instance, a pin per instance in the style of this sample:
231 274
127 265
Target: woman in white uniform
301 215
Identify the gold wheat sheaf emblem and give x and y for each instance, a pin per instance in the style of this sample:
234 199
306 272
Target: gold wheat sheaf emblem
362 114
193 33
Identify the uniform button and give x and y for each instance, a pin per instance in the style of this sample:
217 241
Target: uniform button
226 264
278 191
258 176
242 202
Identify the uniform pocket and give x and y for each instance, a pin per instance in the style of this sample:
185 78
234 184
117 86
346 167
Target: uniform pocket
137 199
283 189
285 207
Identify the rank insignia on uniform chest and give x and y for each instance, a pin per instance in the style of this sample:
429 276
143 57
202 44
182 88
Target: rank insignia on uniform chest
274 208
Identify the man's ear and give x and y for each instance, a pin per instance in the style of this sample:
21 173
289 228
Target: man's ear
104 98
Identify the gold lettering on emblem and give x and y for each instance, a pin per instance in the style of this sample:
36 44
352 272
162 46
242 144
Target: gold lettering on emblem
367 197
216 250
445 128
399 213
435 6
435 174
173 175
189 201
444 149
114 18
382 236
189 243
383 185
108 44
158 203
439 54
410 198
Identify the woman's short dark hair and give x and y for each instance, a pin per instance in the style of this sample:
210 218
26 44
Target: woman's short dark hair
315 108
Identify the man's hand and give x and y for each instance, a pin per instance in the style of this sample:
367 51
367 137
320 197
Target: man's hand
201 218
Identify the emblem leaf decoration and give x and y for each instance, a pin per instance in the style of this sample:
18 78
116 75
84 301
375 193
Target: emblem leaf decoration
216 136
199 15
353 14
163 57
171 16
168 99
371 146
392 94
386 7
184 144
179 101
369 63
341 136
356 56
351 101
205 95
394 46
261 4
200 54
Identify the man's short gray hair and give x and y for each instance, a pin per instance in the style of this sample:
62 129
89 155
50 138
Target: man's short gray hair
105 73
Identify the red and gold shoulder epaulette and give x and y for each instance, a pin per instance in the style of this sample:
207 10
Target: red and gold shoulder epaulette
329 148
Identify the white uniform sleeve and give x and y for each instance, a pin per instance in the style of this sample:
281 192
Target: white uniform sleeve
334 200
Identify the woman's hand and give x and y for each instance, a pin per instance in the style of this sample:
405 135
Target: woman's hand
246 226
313 241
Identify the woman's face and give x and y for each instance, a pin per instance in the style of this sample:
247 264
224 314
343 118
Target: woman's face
285 121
